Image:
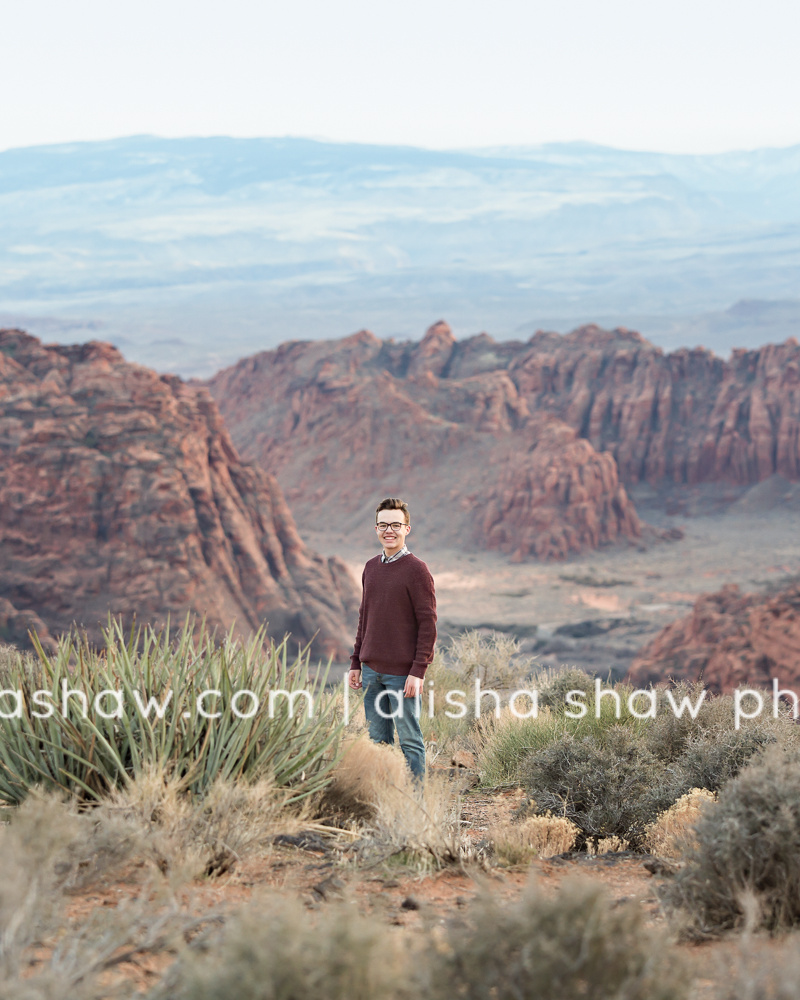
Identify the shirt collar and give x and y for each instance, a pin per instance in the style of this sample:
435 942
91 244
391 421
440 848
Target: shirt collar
403 552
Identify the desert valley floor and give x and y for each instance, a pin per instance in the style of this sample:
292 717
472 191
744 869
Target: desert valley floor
597 610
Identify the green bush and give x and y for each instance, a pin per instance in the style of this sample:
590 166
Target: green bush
509 741
608 788
746 855
90 755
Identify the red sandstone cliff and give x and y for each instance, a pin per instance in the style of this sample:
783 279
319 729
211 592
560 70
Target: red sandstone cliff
687 417
728 640
338 416
341 423
121 491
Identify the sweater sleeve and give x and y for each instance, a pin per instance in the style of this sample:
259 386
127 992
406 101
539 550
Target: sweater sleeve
423 599
355 659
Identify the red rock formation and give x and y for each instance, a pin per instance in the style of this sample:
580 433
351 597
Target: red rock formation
121 491
16 627
687 417
360 416
728 640
343 423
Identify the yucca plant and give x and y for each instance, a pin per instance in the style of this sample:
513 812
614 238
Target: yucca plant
157 680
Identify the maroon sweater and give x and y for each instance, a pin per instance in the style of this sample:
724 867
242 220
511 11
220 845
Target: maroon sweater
397 618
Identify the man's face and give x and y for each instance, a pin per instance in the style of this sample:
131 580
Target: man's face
392 539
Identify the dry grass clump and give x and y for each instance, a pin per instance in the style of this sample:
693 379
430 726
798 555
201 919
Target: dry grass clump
372 790
673 831
747 847
358 780
517 843
608 845
493 659
186 837
572 944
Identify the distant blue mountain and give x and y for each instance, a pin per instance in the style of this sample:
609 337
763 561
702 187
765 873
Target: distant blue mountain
191 252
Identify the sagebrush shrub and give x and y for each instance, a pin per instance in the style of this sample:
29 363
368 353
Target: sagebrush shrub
573 944
747 846
274 949
553 687
609 788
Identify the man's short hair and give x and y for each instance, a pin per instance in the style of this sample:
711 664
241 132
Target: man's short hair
393 503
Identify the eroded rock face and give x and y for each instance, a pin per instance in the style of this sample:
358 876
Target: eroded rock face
686 417
729 640
121 491
362 416
443 423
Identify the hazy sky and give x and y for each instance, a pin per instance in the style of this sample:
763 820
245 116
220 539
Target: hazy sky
672 75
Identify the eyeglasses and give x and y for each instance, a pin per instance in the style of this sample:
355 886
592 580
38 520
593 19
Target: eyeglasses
395 526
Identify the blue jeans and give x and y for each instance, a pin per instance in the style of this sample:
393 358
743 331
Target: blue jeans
405 712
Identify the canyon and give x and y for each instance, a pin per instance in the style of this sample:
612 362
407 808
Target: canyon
532 447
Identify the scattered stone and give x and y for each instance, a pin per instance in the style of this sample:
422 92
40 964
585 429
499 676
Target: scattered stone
306 840
329 887
659 866
463 758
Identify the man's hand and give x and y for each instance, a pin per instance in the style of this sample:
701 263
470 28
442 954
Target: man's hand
354 679
413 686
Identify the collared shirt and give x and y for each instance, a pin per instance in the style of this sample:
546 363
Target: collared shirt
403 552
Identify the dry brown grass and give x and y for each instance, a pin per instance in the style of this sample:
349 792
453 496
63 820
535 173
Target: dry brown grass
517 843
673 830
187 838
357 781
607 845
372 790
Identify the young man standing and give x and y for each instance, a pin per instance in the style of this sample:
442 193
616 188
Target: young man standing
396 635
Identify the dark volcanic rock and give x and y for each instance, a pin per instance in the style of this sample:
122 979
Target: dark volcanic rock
121 491
728 640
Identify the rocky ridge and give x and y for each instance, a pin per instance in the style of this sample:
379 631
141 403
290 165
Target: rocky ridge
343 422
121 491
729 640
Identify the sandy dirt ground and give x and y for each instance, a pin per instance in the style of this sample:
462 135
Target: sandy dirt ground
397 896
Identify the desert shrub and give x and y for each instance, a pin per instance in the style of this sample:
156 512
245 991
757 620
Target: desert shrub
509 741
275 950
712 757
516 843
49 847
443 733
358 779
610 787
186 836
747 845
372 790
553 686
757 970
672 831
494 659
90 755
575 943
